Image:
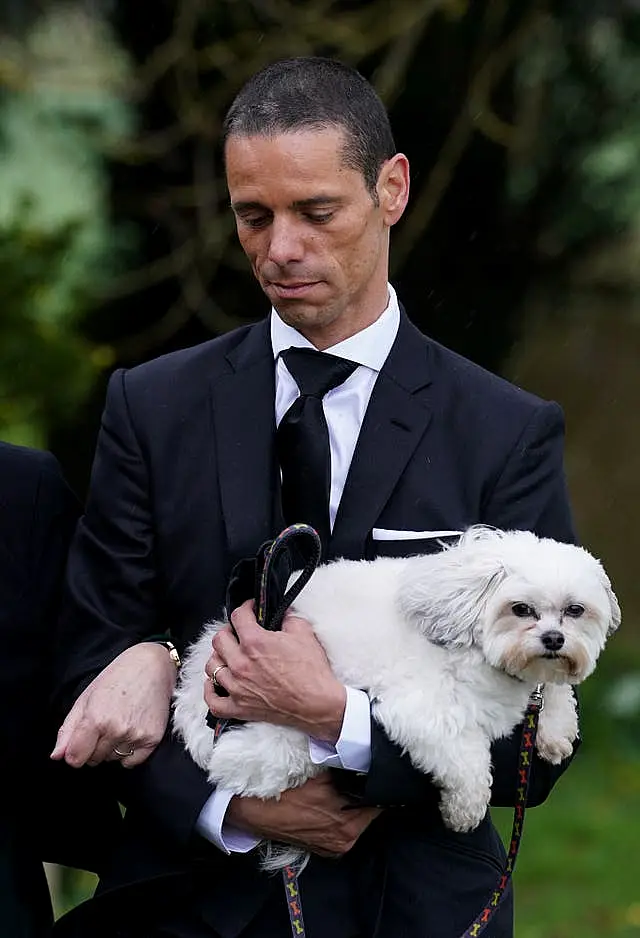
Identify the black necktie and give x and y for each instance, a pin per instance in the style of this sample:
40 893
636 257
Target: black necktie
303 438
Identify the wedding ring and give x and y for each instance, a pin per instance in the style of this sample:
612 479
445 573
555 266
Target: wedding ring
214 681
124 755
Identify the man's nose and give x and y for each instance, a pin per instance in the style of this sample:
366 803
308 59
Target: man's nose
286 242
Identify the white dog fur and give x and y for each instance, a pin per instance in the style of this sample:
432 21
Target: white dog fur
448 647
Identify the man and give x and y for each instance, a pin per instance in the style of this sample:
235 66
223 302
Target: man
187 481
47 810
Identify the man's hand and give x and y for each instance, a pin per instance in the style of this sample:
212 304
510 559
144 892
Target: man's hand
314 816
125 707
275 677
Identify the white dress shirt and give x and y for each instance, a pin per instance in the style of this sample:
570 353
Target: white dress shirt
344 409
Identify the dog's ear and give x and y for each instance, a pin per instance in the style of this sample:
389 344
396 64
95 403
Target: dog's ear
444 596
616 615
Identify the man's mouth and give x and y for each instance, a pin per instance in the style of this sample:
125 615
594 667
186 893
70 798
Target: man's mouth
292 288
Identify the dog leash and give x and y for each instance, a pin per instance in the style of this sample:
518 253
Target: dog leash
273 620
525 760
270 612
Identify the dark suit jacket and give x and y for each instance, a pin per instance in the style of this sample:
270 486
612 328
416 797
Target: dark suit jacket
184 484
47 810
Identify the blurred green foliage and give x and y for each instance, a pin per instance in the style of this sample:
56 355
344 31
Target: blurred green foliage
58 246
46 367
580 81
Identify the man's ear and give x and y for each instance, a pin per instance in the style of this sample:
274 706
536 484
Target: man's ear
393 188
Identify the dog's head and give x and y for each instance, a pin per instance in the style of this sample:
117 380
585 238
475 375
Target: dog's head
537 608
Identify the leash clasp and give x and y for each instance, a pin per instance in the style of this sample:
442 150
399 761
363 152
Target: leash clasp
536 700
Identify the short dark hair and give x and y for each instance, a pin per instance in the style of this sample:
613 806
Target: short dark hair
316 92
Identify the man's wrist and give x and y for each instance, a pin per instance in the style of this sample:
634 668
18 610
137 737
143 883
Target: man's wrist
213 824
352 750
329 728
171 648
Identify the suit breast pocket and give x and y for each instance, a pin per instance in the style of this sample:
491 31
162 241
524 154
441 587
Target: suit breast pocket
385 542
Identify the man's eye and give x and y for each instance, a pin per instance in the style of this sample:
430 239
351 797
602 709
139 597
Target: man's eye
255 222
574 610
522 610
319 219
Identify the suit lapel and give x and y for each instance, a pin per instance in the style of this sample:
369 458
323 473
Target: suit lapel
244 422
395 421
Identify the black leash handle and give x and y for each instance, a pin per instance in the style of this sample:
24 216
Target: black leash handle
299 540
307 542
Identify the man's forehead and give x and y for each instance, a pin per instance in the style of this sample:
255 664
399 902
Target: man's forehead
315 148
279 135
292 169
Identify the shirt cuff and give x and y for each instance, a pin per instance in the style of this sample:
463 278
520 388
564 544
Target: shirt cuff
353 748
211 825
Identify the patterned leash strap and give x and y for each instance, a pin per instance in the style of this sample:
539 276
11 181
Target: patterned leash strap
270 611
527 744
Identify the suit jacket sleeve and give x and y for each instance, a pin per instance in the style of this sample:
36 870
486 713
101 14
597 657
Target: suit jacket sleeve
530 493
112 600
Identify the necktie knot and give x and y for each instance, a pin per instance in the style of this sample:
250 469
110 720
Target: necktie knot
317 373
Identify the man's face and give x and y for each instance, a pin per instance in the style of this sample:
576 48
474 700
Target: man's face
317 241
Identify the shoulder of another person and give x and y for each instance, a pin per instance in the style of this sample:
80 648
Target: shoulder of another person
22 468
33 491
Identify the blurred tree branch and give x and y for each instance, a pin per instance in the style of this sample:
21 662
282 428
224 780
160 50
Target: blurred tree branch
489 68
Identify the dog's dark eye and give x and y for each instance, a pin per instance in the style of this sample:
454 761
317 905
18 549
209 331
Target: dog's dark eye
575 610
522 610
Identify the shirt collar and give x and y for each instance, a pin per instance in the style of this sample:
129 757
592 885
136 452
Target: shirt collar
369 347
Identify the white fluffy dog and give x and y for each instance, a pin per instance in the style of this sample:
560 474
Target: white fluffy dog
448 646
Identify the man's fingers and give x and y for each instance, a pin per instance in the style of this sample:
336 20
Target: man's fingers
60 748
104 751
213 663
219 705
295 624
81 746
138 756
226 650
220 670
243 619
67 731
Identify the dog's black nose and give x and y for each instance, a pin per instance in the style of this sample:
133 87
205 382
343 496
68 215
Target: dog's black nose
553 640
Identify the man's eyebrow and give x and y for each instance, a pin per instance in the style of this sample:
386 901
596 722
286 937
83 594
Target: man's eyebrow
246 206
315 201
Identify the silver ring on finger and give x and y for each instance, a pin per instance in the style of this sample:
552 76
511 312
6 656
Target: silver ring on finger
124 755
214 679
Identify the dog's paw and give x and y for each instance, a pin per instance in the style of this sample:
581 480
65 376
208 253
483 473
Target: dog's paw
463 811
260 760
553 749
